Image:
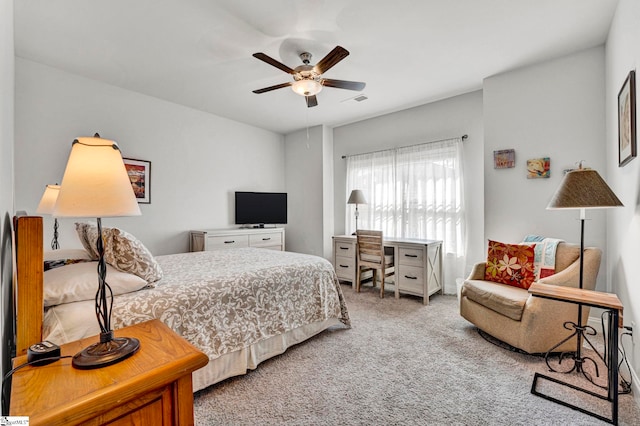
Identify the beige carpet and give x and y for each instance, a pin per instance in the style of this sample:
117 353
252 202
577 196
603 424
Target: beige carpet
402 363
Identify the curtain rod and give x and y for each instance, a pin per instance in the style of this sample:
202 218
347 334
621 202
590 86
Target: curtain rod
463 137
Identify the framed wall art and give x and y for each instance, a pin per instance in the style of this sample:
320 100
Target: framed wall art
504 159
139 172
539 168
627 120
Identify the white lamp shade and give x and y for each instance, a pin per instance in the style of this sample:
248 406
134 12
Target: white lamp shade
48 200
357 197
95 182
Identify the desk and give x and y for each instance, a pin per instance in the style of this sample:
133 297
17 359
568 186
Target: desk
418 264
596 299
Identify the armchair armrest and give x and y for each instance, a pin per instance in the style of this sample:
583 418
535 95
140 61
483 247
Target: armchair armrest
477 273
570 276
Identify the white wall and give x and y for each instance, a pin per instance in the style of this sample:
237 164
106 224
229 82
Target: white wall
198 159
6 149
444 119
553 109
623 225
306 154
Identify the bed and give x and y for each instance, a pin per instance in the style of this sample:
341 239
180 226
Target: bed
240 306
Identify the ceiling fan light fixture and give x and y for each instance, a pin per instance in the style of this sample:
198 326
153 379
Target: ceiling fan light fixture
306 87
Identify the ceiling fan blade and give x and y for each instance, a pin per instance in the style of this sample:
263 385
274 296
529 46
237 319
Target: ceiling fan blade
343 84
271 61
270 88
332 58
311 101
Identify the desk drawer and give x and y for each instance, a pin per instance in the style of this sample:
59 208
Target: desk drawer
346 268
410 279
346 249
411 256
227 242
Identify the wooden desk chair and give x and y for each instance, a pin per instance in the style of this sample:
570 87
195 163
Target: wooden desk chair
371 256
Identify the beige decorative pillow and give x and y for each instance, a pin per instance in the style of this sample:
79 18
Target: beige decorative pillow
88 242
125 252
122 250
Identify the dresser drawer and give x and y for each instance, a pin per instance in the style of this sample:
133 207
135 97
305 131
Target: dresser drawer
227 242
410 279
410 256
345 267
266 239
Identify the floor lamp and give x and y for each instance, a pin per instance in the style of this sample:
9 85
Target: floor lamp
47 203
581 189
96 184
357 197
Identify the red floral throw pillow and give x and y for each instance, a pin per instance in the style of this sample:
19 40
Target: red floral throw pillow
510 264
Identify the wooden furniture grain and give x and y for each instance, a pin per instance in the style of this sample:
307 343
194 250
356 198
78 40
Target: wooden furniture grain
371 255
220 239
596 299
152 387
418 264
29 269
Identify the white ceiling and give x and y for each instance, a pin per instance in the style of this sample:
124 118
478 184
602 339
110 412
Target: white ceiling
197 53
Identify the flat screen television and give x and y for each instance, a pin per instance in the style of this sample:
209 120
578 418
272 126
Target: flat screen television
258 208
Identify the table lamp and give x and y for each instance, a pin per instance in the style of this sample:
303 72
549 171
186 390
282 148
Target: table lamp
47 203
582 189
96 184
357 197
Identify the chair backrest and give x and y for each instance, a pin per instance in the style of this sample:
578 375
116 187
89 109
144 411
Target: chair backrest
370 245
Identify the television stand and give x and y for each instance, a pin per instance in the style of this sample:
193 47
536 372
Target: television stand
216 239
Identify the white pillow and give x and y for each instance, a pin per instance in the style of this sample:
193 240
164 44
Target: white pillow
66 254
79 281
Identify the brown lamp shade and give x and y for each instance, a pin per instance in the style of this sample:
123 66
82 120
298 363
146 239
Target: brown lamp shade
583 189
357 197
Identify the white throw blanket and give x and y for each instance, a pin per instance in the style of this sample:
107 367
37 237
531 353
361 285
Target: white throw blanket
544 263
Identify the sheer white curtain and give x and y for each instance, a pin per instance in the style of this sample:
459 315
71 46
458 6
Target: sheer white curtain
414 192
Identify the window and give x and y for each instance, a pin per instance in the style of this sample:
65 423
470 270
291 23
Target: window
414 192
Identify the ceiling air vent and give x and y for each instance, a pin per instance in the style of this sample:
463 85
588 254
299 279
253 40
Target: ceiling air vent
358 98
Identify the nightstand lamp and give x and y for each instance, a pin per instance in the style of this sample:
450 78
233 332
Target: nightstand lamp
357 197
47 203
96 184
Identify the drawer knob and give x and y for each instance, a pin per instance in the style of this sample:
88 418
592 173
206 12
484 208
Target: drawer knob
411 255
230 242
410 277
344 266
266 239
344 248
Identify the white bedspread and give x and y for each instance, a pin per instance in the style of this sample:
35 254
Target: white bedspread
220 301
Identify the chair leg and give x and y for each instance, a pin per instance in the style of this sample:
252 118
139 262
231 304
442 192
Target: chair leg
374 278
382 285
358 280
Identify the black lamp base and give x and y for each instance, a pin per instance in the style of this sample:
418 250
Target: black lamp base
110 350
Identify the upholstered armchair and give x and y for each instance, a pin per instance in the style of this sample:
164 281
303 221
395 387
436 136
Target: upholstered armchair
530 323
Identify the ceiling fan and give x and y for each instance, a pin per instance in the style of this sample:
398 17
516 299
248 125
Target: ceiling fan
308 80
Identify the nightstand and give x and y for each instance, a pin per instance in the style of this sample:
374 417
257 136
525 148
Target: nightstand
152 387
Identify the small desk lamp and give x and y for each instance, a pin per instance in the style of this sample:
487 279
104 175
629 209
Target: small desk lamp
357 197
96 184
582 189
47 203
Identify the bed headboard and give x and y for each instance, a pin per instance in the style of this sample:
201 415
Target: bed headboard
28 280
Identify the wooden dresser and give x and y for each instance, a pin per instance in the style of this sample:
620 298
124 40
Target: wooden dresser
220 239
152 387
